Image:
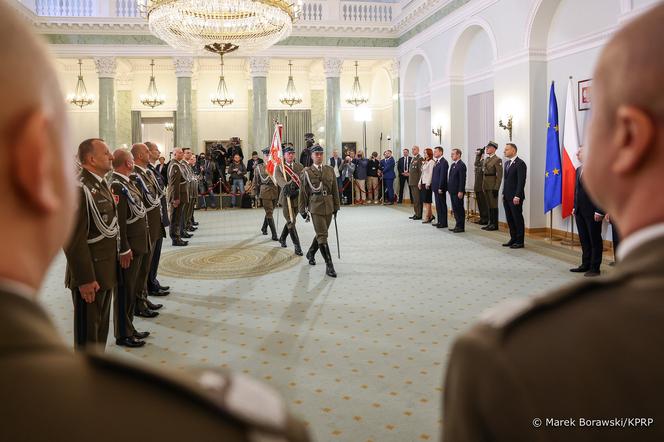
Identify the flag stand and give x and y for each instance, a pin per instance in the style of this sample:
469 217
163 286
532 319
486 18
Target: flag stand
571 241
550 238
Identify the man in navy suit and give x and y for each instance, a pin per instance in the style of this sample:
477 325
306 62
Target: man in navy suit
514 183
439 186
589 223
456 186
402 167
387 170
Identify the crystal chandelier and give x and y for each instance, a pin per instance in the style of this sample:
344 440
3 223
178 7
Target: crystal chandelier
80 97
222 97
356 98
152 98
195 24
290 97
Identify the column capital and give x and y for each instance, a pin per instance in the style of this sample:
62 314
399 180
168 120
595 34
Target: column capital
106 67
184 66
332 67
259 66
394 67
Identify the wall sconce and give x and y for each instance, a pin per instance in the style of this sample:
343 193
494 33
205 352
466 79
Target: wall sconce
439 133
508 126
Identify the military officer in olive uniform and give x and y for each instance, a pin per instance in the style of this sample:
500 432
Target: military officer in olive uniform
414 174
478 188
290 189
50 393
190 224
187 227
134 248
177 196
268 192
147 184
492 172
92 251
319 195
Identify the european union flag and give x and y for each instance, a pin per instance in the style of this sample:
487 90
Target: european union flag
553 172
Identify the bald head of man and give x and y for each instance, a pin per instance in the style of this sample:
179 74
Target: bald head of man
38 203
141 154
123 161
625 153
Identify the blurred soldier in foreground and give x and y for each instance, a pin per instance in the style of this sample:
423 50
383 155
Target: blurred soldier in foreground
268 192
49 392
319 195
93 248
591 350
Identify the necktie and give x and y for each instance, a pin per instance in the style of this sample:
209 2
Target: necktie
507 166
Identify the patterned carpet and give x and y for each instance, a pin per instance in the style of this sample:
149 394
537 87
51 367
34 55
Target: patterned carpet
360 357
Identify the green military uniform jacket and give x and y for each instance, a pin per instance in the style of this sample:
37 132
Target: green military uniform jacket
176 183
479 173
297 169
53 394
151 200
193 181
415 170
492 172
185 186
264 187
590 350
92 251
319 193
132 216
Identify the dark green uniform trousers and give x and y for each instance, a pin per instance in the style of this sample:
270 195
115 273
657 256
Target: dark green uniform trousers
91 320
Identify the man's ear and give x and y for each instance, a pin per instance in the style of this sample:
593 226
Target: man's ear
34 163
633 136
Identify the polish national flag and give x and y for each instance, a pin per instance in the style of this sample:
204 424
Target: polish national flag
570 148
276 154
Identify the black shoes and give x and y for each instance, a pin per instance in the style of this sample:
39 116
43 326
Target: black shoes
508 243
591 273
329 267
186 235
146 313
153 306
180 243
579 269
160 292
517 246
130 342
458 230
141 335
164 287
296 241
273 229
311 254
284 235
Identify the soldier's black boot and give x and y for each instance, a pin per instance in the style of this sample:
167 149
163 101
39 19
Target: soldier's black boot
493 223
284 235
264 228
296 241
273 229
329 268
311 254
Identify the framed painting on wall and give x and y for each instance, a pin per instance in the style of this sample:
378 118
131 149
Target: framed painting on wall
349 148
585 89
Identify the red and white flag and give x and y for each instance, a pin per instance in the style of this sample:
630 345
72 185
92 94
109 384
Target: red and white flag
570 148
276 154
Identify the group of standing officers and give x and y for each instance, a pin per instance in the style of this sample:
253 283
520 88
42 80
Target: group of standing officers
114 252
310 191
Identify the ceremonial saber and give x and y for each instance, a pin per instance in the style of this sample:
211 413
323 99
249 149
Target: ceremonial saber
336 231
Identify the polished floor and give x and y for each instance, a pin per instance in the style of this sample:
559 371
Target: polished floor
360 357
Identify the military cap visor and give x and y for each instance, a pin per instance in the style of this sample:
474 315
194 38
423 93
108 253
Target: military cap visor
316 149
266 151
288 149
492 144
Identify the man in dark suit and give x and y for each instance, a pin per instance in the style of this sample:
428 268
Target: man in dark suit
402 167
162 168
589 223
439 186
514 183
456 186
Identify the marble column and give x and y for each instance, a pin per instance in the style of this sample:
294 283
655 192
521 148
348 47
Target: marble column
332 68
184 70
258 68
396 109
106 69
317 85
123 107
